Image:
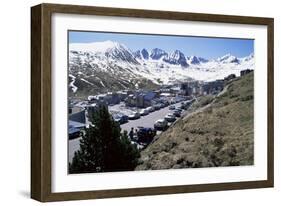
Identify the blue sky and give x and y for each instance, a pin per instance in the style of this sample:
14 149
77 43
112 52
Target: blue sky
209 48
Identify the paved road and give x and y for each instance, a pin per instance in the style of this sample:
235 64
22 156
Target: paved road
73 145
148 120
144 121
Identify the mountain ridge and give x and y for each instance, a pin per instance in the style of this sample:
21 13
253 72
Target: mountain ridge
97 63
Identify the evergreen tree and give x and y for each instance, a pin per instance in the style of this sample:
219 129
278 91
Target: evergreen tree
103 148
129 151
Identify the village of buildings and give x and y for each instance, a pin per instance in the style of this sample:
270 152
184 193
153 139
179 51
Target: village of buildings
144 112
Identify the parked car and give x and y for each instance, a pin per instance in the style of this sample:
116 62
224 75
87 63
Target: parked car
161 125
144 112
172 101
177 113
183 105
162 105
74 133
157 106
179 109
166 103
170 117
172 107
121 118
134 115
145 135
151 109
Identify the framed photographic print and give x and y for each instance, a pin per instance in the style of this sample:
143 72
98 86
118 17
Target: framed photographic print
128 102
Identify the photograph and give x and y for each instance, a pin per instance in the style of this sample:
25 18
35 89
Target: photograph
157 102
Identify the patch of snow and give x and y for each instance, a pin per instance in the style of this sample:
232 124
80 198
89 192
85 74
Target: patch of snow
137 85
84 80
102 83
71 84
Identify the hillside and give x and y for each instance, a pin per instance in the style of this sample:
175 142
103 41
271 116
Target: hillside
218 131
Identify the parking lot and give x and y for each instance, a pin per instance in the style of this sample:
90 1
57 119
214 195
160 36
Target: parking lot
144 121
148 120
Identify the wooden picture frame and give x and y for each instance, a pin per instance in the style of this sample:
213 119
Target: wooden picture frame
41 97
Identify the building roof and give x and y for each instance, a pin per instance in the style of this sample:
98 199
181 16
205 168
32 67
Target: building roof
149 95
73 130
78 117
74 124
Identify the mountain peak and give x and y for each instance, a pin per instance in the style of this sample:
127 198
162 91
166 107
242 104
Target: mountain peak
137 54
141 54
145 53
176 57
157 53
108 49
194 60
197 60
95 47
248 58
228 58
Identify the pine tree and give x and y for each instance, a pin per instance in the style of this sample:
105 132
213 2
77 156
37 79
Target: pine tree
129 151
103 148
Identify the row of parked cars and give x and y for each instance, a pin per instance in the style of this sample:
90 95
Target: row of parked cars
162 124
171 117
146 111
145 135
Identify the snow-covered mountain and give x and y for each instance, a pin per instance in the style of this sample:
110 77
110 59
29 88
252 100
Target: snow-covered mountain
157 54
228 58
143 54
109 49
108 66
176 58
196 60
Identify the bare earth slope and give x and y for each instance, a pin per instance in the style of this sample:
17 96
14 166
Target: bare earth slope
219 132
